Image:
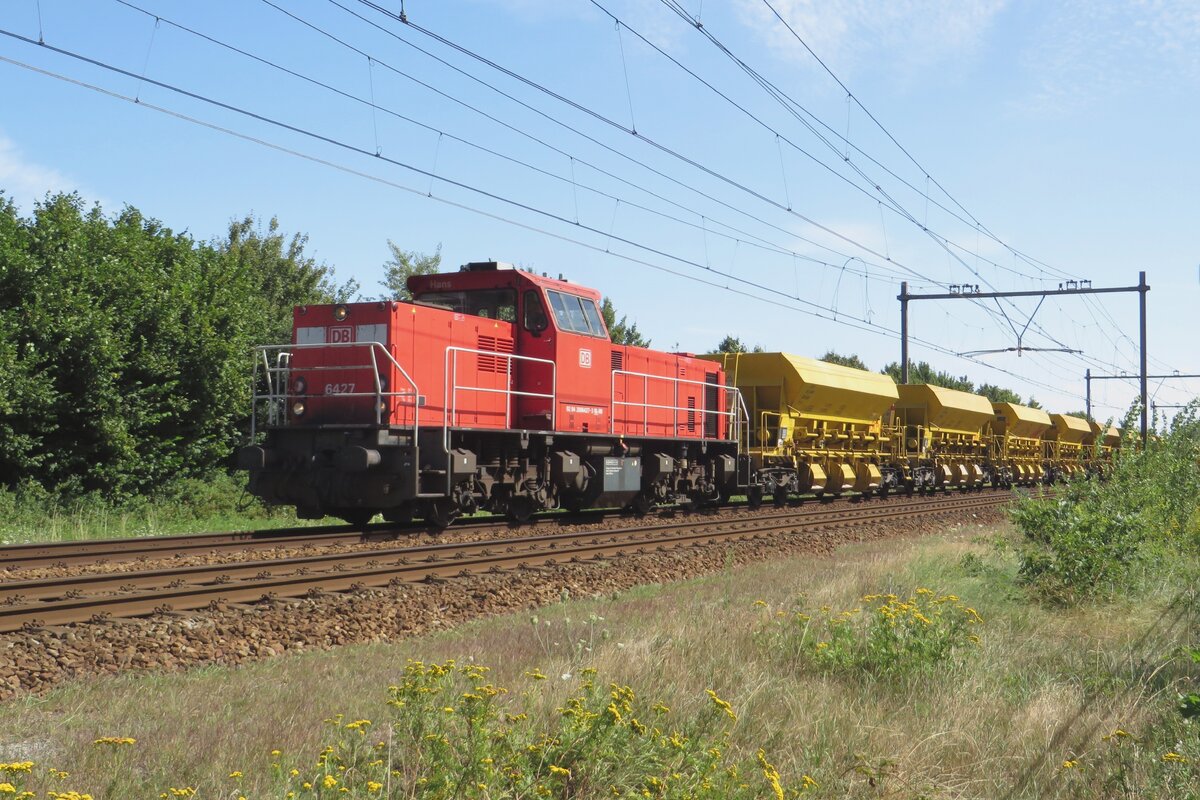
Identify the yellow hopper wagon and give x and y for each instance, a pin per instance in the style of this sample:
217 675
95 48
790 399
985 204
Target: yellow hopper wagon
1016 453
1100 447
1064 446
815 427
942 441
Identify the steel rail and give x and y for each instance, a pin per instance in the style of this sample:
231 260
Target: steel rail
462 559
74 553
60 586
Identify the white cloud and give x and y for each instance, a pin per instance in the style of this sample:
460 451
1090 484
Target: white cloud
25 181
1087 51
903 36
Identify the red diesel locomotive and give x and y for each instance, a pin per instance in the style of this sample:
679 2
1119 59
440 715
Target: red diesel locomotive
495 389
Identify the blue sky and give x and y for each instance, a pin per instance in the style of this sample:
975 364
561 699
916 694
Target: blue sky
1067 130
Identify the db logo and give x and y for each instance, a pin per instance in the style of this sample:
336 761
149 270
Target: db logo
585 358
341 335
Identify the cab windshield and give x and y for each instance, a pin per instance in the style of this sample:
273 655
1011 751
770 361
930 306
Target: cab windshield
576 314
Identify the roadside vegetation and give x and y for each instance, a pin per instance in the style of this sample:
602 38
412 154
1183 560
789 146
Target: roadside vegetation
188 505
1055 657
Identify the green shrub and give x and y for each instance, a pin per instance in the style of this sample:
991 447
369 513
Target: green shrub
886 635
1099 538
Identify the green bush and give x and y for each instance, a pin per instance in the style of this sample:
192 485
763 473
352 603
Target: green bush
124 347
1100 538
885 635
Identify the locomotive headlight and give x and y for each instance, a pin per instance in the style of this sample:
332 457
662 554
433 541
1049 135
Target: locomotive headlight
299 385
383 408
340 313
298 408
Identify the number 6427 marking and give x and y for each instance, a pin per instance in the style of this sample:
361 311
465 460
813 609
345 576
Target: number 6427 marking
339 388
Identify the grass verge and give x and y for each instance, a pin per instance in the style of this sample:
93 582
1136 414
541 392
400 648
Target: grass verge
1030 701
31 514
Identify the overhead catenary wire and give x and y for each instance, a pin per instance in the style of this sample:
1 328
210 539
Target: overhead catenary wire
851 96
612 123
744 236
559 122
949 245
785 301
663 148
781 97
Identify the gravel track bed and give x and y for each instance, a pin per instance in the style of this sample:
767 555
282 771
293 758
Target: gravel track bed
35 661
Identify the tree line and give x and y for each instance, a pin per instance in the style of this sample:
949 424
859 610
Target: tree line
124 345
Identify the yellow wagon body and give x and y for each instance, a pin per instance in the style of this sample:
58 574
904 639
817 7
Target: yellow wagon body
1016 451
944 435
824 420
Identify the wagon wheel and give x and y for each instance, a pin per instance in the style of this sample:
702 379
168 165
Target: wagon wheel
441 513
358 517
641 505
520 509
754 496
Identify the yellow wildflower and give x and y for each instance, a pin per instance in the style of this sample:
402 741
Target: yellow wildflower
374 786
1070 763
721 704
1173 757
771 774
115 740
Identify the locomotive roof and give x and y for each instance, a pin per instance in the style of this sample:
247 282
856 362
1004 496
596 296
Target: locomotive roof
494 275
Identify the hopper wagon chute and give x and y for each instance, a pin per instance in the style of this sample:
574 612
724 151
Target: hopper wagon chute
1016 454
815 427
941 441
1065 444
1100 447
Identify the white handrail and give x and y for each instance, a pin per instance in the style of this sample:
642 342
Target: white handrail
278 386
450 413
735 412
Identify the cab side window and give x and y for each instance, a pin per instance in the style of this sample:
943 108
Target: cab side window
535 313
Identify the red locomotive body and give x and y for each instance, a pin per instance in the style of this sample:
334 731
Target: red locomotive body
493 388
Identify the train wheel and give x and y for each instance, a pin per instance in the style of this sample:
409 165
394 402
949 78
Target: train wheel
754 496
401 516
641 505
441 513
520 509
358 518
780 497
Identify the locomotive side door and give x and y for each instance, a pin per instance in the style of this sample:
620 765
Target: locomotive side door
536 339
584 362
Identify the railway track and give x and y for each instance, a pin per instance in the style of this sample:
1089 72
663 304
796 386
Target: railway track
68 554
133 593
